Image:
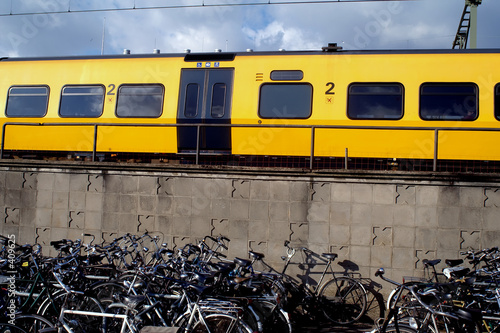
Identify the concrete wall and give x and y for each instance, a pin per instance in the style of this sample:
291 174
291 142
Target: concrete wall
370 222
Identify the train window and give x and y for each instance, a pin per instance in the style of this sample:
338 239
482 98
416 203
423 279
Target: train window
27 101
285 100
448 101
287 75
82 101
497 101
218 100
191 104
140 101
375 101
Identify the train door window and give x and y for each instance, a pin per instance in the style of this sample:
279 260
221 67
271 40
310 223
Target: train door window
375 101
82 101
27 101
449 101
285 100
140 101
497 101
191 104
218 100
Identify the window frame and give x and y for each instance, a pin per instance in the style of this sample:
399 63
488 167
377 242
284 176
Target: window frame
27 86
286 84
82 86
118 94
376 84
212 114
496 101
447 85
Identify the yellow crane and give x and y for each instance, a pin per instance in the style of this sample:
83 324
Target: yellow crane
468 26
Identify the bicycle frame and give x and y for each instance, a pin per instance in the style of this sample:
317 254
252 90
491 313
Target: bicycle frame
126 322
313 290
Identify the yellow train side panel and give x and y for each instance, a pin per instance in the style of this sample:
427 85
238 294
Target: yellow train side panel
272 141
464 145
375 143
64 138
137 139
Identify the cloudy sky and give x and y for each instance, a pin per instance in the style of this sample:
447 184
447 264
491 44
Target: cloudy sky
187 25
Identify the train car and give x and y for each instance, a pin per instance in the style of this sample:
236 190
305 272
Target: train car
411 105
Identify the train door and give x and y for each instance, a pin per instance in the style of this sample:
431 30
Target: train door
205 98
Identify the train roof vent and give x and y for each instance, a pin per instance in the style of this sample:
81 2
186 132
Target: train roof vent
332 47
219 56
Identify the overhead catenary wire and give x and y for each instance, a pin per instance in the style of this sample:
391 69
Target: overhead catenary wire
200 5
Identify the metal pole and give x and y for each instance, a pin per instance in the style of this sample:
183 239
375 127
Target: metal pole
198 129
436 139
312 148
94 150
346 158
473 27
473 22
103 35
3 140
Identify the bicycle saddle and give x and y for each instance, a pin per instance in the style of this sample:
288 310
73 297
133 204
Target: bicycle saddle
242 262
434 262
133 300
256 255
453 262
330 256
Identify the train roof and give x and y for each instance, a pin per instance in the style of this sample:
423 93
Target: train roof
229 56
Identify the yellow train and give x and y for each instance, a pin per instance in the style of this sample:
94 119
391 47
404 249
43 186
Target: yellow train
418 105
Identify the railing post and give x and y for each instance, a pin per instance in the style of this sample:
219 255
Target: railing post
198 129
313 130
94 150
346 158
436 139
3 140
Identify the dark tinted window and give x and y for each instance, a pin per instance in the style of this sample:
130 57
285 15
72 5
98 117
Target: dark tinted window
375 101
191 104
27 101
82 101
287 75
218 100
140 101
282 100
448 101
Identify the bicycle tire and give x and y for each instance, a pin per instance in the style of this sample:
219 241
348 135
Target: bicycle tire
9 328
31 323
343 300
401 328
221 323
83 324
108 292
114 325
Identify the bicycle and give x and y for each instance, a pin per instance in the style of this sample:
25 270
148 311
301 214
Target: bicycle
341 299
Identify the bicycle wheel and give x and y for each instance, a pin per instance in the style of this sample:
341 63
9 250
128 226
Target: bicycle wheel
401 328
33 323
78 323
8 328
343 300
273 318
221 323
107 292
114 325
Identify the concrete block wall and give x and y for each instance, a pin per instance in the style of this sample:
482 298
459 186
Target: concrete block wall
368 223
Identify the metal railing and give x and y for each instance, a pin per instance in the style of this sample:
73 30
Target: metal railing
313 129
